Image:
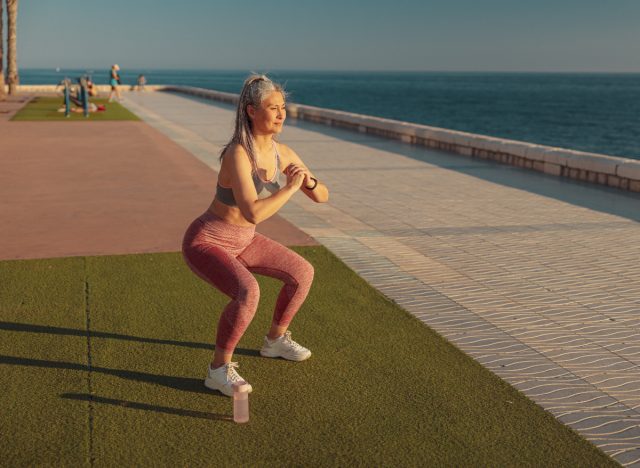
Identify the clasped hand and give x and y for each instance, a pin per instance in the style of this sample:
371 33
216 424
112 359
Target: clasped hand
297 175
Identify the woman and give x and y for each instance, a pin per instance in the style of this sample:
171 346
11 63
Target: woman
222 247
114 81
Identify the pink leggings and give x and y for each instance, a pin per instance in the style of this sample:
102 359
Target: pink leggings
226 255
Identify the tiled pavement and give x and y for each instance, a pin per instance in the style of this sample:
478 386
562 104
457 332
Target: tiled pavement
535 277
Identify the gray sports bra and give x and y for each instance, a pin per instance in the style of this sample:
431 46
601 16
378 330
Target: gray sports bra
225 194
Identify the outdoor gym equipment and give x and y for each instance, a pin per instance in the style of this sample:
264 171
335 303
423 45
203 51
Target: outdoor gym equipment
82 95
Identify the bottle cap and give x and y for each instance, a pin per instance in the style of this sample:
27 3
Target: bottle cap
241 387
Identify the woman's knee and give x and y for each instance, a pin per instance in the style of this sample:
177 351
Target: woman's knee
248 294
304 273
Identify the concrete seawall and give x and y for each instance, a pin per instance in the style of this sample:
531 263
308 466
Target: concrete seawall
622 173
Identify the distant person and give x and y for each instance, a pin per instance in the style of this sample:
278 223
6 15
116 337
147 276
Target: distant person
78 99
114 81
79 109
222 247
141 82
92 90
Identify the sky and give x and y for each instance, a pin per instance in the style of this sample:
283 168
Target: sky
424 35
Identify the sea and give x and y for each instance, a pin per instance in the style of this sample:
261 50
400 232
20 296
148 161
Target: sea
593 112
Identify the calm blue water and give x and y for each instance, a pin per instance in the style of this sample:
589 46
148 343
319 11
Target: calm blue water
589 112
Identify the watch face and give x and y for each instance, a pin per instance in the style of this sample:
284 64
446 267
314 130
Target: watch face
313 184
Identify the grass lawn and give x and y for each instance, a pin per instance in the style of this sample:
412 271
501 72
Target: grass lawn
102 361
46 108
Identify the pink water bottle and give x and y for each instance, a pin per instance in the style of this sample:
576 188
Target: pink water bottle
241 402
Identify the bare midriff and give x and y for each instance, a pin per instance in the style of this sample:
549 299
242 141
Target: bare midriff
230 214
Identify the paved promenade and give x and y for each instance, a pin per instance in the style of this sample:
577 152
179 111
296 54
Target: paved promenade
535 277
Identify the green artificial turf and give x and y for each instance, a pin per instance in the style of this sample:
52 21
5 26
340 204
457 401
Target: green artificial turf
381 389
46 108
43 354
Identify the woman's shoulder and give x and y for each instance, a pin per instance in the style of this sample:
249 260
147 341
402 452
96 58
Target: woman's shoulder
233 150
236 154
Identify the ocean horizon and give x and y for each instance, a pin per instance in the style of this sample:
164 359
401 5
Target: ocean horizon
587 111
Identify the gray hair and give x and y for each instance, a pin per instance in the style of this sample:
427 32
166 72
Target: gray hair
255 90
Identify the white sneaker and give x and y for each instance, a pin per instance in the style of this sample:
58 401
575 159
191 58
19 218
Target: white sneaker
223 378
284 347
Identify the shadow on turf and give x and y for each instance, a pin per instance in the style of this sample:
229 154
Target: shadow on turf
178 383
30 328
145 407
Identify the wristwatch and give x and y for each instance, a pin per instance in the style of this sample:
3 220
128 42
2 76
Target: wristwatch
314 185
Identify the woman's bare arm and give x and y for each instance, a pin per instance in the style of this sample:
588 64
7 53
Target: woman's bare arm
252 208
